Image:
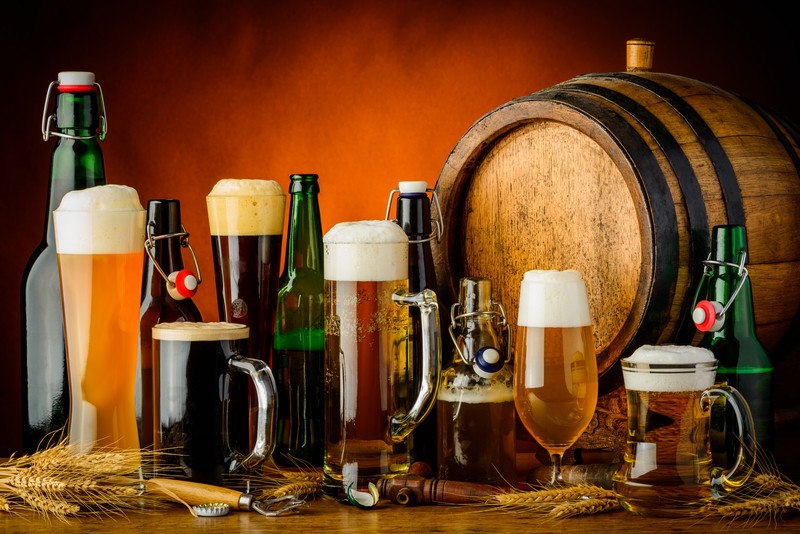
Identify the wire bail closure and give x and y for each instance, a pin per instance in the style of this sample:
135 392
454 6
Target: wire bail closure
437 223
180 284
710 315
48 120
502 324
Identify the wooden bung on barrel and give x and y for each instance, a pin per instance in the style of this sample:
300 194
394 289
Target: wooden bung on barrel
621 176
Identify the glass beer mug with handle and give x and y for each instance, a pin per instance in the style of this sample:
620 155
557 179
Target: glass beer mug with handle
667 468
555 368
369 358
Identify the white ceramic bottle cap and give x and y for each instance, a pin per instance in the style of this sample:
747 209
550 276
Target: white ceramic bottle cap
75 78
413 187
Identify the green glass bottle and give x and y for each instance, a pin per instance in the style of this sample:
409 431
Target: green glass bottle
76 163
299 342
727 318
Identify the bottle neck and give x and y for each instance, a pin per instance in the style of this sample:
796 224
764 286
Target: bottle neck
304 240
414 214
163 217
729 246
75 163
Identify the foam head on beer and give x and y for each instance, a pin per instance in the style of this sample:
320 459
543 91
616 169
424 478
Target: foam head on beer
366 251
191 331
246 207
641 378
553 299
106 219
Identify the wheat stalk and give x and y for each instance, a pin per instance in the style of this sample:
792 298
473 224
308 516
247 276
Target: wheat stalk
300 488
584 507
547 496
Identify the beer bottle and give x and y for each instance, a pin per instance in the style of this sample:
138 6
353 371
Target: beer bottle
475 406
163 300
413 214
726 317
79 123
299 342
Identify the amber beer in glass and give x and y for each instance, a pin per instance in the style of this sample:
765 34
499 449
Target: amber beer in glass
99 241
555 369
368 355
667 467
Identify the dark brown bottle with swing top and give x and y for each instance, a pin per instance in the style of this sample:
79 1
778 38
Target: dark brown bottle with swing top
163 300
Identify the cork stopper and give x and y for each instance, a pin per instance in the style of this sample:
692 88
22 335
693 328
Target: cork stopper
640 55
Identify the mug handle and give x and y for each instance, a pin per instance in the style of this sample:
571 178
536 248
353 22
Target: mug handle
724 482
402 424
267 398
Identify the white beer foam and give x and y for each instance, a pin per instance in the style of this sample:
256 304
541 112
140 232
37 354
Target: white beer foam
662 380
477 395
191 331
553 299
246 207
366 251
105 219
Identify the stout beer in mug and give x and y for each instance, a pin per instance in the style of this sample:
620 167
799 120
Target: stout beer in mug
368 355
99 237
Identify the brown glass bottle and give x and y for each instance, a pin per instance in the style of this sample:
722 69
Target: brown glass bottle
158 306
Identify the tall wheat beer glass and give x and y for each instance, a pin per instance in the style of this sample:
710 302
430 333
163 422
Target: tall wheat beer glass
668 468
99 241
368 356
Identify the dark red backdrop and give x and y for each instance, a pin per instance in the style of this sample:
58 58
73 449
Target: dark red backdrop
363 93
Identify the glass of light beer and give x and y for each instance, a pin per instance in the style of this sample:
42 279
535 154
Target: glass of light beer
555 368
368 355
668 465
99 240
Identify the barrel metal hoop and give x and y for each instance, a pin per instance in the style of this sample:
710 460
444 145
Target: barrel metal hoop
734 207
687 181
659 200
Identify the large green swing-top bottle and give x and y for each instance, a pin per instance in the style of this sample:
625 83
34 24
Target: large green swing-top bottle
77 163
727 318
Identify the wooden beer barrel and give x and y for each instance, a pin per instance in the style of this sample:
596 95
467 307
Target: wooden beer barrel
622 176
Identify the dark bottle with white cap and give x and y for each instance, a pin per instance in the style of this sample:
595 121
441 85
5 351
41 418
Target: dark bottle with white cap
167 291
78 121
475 406
413 214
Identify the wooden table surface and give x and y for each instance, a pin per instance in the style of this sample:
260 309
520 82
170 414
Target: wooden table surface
325 515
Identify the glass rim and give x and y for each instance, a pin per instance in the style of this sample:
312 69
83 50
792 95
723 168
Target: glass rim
686 367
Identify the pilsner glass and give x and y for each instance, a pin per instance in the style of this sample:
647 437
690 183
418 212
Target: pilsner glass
555 370
369 358
99 236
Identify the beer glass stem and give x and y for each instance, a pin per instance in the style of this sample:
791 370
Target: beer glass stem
555 475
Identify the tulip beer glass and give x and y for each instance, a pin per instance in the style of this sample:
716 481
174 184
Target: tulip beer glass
368 355
667 467
99 237
555 369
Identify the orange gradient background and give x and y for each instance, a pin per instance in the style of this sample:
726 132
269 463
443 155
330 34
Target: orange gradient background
365 94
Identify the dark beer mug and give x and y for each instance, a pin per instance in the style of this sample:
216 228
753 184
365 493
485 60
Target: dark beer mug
194 365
